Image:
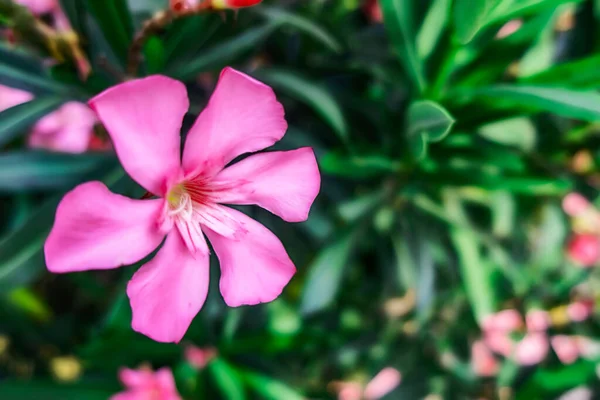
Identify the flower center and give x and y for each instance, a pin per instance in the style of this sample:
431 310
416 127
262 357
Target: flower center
191 205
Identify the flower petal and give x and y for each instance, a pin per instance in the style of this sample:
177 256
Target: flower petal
97 229
143 118
254 265
167 292
283 182
383 383
242 116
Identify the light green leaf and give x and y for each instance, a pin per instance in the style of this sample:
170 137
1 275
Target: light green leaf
469 18
17 120
305 25
432 27
430 120
310 93
326 272
511 9
227 379
269 388
398 16
517 132
568 103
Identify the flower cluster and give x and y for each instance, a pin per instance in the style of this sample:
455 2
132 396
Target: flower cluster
583 247
528 343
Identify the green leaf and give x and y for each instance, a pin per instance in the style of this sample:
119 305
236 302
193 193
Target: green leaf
398 16
582 73
75 12
476 271
326 272
511 9
188 35
305 25
564 102
469 18
310 93
432 27
269 388
32 81
516 132
21 171
223 53
227 379
114 20
430 120
34 390
16 120
357 167
154 55
21 251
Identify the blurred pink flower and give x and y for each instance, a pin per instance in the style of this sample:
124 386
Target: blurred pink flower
39 6
532 349
383 383
537 320
96 229
584 249
144 384
509 28
579 311
372 9
588 347
503 321
11 97
483 362
68 129
566 348
575 204
499 342
199 357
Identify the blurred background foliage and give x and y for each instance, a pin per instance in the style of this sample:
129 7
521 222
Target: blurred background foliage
448 133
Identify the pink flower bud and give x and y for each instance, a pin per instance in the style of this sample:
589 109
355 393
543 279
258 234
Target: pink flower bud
199 357
373 11
537 320
503 321
532 349
584 249
575 204
500 343
579 311
233 4
509 28
382 383
565 347
483 362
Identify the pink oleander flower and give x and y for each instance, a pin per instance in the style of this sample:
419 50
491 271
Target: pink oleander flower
69 129
532 349
383 383
566 348
579 311
144 384
96 229
503 321
537 320
584 249
39 6
483 362
199 357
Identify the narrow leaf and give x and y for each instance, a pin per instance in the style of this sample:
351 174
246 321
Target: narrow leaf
16 120
325 274
398 17
310 93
